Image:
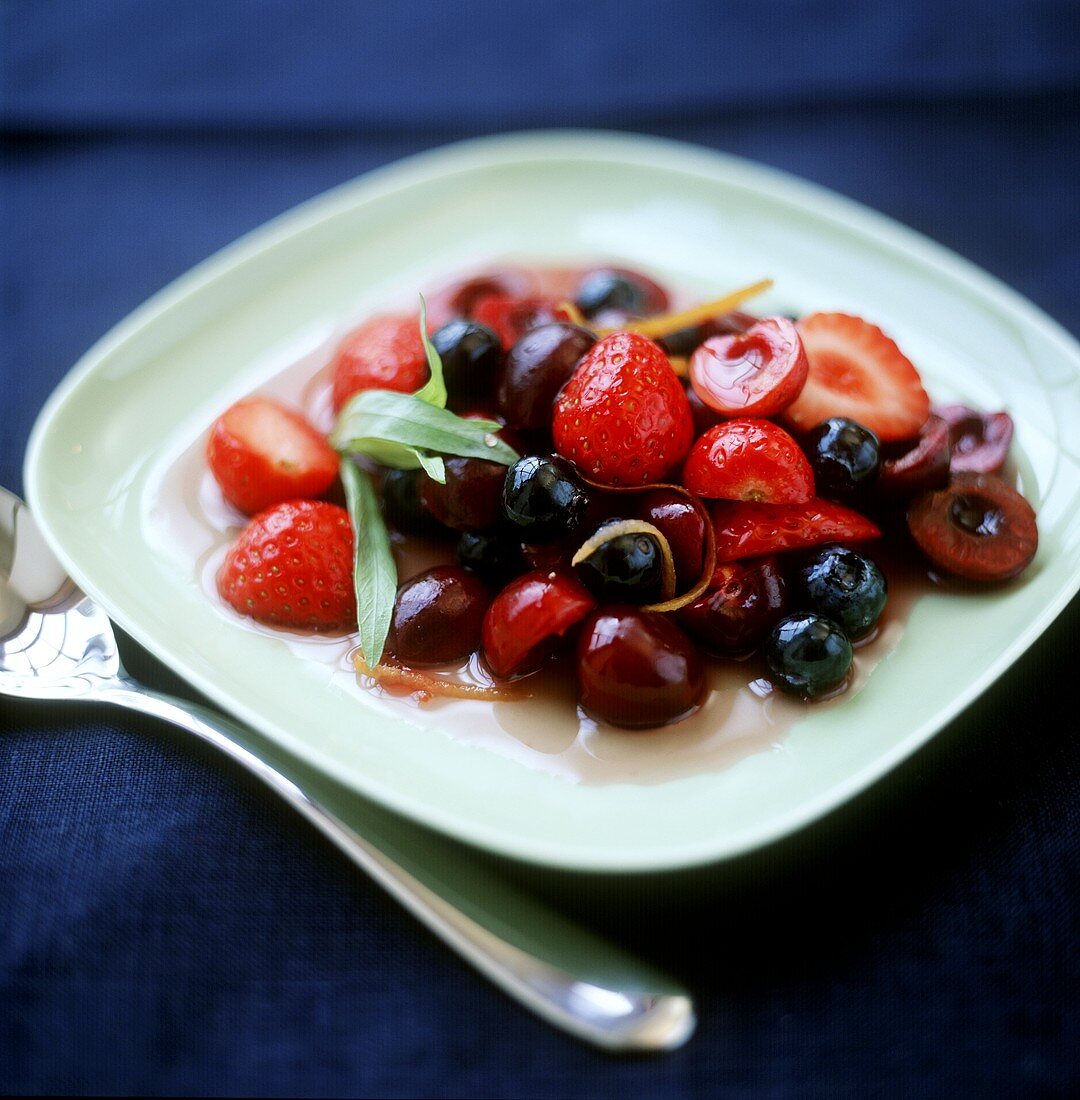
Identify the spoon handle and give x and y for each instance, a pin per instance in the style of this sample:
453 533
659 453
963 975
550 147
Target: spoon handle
622 1005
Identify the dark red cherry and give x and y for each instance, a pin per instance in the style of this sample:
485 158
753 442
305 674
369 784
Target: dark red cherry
511 317
438 617
536 368
470 499
922 468
527 616
978 528
742 604
979 441
458 298
637 669
683 526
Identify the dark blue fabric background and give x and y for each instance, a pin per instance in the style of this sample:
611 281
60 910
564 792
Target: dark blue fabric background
166 927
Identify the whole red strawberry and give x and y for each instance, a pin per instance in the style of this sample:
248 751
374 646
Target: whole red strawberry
293 566
623 417
385 353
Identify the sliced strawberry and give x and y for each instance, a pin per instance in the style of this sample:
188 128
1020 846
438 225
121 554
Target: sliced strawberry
755 373
293 566
751 530
623 417
858 372
262 453
527 615
752 460
385 353
511 317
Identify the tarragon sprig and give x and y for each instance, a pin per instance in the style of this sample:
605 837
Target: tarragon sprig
405 431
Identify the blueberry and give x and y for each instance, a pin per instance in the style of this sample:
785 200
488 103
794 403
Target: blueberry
471 355
842 585
625 569
807 655
493 557
607 289
542 499
846 458
402 505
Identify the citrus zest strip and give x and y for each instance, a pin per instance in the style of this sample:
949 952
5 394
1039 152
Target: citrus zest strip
664 324
573 314
633 527
709 565
426 684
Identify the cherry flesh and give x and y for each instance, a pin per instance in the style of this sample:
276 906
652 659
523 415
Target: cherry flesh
978 528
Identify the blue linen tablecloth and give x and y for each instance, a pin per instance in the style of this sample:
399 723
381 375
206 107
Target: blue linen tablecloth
167 927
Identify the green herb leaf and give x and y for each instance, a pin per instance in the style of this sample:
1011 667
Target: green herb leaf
374 573
392 427
434 467
433 391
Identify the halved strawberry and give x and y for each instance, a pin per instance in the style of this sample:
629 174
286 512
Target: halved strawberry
751 460
293 566
385 353
262 453
750 530
859 372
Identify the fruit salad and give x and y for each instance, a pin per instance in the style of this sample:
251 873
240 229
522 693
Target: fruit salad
612 486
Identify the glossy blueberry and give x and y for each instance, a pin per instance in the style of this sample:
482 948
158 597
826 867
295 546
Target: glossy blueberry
402 505
842 585
807 655
626 569
608 289
492 556
846 458
542 499
471 355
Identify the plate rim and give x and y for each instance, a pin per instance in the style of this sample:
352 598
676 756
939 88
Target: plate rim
576 145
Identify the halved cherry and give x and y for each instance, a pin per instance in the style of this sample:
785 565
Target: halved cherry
922 468
757 373
527 615
752 530
978 528
980 441
749 460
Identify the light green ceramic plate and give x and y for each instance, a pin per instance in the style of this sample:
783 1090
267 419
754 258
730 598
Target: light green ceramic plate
705 221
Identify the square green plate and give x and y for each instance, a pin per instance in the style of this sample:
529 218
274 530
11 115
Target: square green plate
705 221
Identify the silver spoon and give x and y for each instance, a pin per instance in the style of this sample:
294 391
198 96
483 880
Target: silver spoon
56 644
